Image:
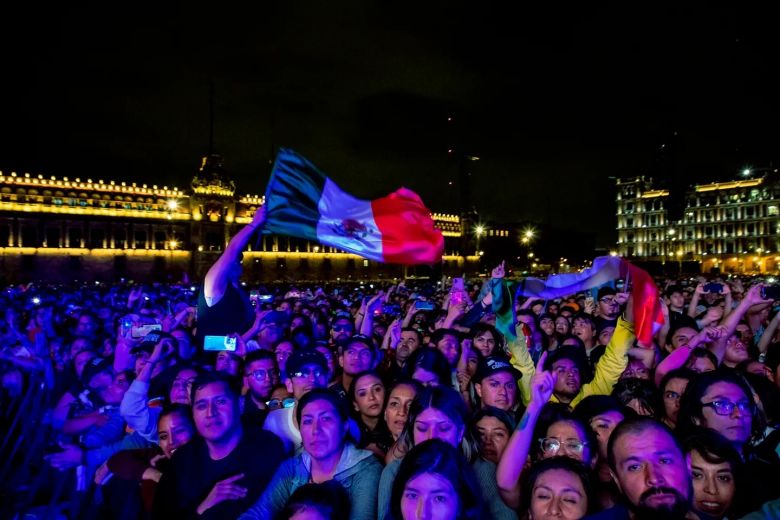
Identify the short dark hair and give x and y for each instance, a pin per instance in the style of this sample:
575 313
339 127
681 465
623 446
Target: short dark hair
440 458
432 360
416 332
595 405
678 373
491 411
582 316
626 390
208 378
577 468
329 498
636 425
439 334
323 394
673 289
701 353
179 409
714 448
258 355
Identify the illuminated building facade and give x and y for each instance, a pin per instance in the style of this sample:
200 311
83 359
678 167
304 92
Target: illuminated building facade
725 226
61 229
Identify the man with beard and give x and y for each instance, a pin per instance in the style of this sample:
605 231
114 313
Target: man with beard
342 328
649 467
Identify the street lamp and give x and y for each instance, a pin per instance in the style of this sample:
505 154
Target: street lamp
748 171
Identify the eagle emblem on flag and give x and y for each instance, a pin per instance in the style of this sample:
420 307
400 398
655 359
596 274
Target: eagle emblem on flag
351 228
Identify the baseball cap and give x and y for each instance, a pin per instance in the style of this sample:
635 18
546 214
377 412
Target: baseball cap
301 358
94 367
493 364
571 307
151 340
276 317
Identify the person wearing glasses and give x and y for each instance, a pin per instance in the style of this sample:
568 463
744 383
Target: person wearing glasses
722 401
260 378
342 328
609 306
565 435
306 369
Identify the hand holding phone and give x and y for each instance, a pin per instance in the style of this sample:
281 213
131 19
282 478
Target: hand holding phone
140 331
770 292
422 305
219 343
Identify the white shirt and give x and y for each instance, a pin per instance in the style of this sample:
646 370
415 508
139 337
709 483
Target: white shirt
282 423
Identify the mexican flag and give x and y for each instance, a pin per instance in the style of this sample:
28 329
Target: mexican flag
302 202
648 318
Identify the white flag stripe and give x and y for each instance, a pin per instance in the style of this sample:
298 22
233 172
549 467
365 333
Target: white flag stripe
348 223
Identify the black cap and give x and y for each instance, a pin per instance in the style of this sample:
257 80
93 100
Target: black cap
301 358
151 340
94 367
492 364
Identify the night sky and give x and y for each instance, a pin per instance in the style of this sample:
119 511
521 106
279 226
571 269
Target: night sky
554 100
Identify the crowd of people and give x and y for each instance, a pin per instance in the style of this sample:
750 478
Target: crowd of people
387 401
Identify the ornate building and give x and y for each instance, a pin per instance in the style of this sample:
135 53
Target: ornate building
61 229
725 226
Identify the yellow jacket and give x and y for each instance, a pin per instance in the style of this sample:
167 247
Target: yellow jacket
608 369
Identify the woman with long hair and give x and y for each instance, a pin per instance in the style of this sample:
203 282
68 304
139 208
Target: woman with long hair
721 400
367 395
435 481
440 413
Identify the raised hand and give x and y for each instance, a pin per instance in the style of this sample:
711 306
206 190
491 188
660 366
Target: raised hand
714 314
542 384
753 295
499 271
